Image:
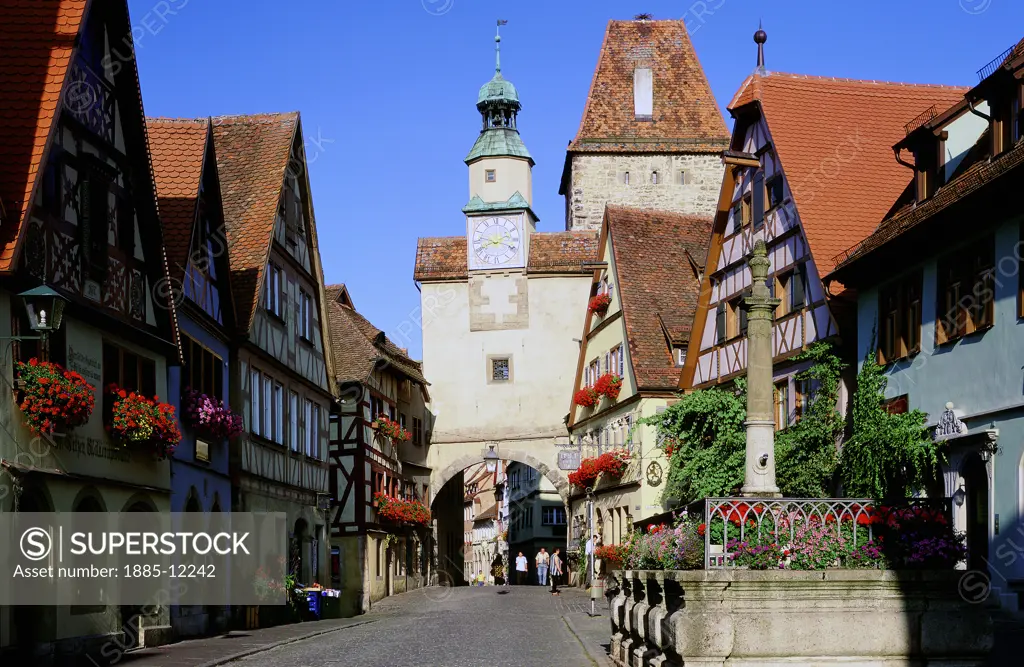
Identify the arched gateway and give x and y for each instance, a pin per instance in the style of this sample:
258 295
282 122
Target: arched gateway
548 468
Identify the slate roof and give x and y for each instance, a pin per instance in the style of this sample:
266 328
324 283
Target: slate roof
656 286
37 38
177 148
834 138
444 257
252 156
686 117
357 345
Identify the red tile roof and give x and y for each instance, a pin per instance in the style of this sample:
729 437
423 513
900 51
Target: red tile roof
177 148
37 38
444 257
657 286
686 117
834 138
357 345
252 155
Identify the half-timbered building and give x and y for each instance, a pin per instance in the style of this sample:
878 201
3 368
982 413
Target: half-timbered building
810 170
78 213
188 192
651 264
940 300
371 556
281 377
651 130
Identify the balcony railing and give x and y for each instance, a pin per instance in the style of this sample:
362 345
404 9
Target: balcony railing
994 64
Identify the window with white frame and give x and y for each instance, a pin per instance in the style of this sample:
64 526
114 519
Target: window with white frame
255 409
293 421
268 407
307 415
272 290
278 413
305 315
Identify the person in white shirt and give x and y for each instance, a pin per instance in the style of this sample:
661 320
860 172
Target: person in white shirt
542 567
521 566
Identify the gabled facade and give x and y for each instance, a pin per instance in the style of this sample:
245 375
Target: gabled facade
809 170
651 131
188 190
651 272
80 216
943 314
371 557
280 371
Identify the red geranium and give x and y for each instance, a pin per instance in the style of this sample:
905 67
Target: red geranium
391 508
53 397
599 304
608 385
390 429
585 397
586 474
138 420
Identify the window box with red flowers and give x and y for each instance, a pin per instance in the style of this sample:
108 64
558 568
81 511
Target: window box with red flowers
389 429
52 397
609 385
611 464
598 304
400 510
146 423
585 398
209 417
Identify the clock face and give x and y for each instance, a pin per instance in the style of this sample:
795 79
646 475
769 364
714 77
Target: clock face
496 241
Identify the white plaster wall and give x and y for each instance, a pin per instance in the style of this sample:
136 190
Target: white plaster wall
963 134
599 179
511 175
534 403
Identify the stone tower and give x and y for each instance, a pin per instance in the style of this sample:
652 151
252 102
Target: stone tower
651 135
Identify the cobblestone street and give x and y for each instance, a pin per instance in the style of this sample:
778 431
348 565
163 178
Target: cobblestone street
461 627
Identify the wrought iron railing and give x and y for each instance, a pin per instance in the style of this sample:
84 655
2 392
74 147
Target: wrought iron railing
920 119
994 64
779 519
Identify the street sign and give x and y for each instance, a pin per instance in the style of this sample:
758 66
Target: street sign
569 460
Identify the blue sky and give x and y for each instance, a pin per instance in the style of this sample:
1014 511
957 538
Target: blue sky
387 90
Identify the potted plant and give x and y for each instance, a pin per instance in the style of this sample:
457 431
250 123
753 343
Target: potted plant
599 304
585 398
136 420
401 510
609 385
390 429
586 474
53 397
209 416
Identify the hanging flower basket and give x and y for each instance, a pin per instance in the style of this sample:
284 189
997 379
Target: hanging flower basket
609 385
53 397
138 421
599 304
209 417
389 429
585 397
399 509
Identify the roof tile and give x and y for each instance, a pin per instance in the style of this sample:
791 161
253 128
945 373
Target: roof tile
444 257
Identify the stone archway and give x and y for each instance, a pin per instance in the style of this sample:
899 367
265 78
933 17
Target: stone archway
439 478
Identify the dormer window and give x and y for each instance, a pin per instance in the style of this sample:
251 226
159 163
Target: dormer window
643 93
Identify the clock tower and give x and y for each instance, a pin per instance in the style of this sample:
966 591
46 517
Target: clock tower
499 219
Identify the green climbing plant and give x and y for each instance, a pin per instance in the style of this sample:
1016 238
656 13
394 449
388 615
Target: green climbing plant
887 455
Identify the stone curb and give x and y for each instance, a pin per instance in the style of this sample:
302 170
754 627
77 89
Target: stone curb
594 651
283 642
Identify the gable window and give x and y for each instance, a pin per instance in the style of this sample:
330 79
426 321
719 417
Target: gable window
305 316
736 319
272 290
796 288
204 370
899 308
94 217
595 371
679 353
490 176
501 370
615 360
741 213
966 291
643 93
773 191
417 431
757 200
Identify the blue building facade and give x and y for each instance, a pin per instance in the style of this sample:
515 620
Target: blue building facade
940 302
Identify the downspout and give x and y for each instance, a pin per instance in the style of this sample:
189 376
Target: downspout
970 105
896 152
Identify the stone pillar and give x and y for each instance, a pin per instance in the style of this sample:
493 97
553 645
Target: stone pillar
759 477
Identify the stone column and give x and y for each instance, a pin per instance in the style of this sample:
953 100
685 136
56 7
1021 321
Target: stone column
759 477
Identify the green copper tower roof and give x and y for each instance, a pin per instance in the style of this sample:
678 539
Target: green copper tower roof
498 103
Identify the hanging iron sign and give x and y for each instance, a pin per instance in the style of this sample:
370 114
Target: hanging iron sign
569 460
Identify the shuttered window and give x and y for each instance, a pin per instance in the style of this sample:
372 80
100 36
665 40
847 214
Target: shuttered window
720 322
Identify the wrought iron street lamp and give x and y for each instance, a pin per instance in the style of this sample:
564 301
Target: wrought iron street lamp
45 309
959 496
491 459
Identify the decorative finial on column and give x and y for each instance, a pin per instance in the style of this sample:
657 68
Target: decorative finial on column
760 37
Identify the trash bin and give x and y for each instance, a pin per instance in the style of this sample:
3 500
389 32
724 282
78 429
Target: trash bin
313 599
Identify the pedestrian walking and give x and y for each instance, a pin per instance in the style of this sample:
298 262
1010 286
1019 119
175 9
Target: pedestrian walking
542 561
520 569
556 572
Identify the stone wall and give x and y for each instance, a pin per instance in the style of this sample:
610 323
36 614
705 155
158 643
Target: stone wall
686 184
741 618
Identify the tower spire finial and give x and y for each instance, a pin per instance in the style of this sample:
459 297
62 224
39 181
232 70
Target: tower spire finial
497 46
760 37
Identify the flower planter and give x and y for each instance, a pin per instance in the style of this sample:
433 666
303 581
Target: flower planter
142 423
209 417
871 618
586 398
387 428
598 305
609 385
51 397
